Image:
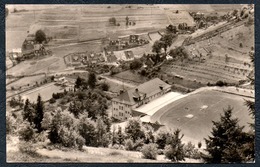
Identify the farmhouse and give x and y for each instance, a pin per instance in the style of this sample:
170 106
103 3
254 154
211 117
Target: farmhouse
123 105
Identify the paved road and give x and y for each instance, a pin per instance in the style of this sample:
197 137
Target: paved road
118 81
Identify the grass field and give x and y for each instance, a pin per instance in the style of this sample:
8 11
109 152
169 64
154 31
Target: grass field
194 114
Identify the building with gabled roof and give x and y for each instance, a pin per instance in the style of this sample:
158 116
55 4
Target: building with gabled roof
125 102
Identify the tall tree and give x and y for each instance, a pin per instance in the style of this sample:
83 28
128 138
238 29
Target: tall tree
87 131
29 112
120 136
102 135
92 79
175 150
78 82
39 111
225 144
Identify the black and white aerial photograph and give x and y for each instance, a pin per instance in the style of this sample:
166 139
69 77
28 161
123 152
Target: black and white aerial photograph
130 83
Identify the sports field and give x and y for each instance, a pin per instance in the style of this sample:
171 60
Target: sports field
194 114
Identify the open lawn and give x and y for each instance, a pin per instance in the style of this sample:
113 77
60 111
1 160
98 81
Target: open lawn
130 76
45 91
194 114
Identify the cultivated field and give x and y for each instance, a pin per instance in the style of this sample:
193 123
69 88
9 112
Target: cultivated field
215 51
194 114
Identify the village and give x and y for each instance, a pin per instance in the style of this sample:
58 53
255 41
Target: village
111 65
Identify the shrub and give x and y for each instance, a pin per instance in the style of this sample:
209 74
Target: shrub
221 83
189 150
52 100
26 132
113 153
160 151
27 148
149 151
10 127
63 101
129 145
104 86
41 137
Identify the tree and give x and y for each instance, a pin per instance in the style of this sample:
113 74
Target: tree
167 40
102 135
133 129
56 122
112 21
114 137
171 29
75 109
225 144
65 130
126 21
29 112
162 138
136 64
78 82
157 46
87 131
40 36
120 136
39 111
92 80
175 150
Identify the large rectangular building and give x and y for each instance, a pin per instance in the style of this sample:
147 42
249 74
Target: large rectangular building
123 104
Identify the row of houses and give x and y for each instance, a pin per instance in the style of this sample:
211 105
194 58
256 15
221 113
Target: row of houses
85 58
125 42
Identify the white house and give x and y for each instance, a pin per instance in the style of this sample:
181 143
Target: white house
123 104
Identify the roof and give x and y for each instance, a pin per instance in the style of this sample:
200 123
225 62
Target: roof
17 50
129 54
146 89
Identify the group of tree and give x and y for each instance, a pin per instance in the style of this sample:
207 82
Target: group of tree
165 41
33 113
83 84
142 137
